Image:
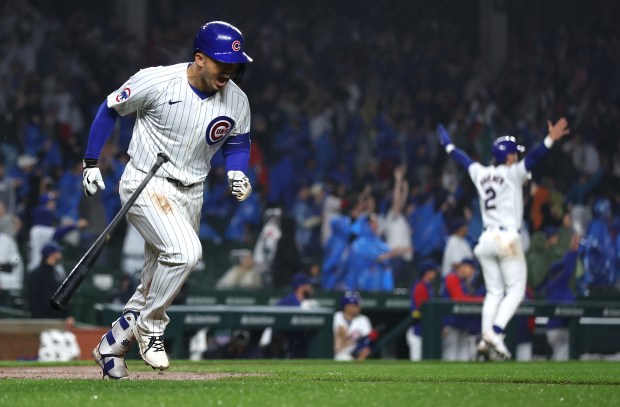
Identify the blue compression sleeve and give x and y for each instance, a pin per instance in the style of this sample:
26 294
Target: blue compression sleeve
236 151
461 157
535 155
100 130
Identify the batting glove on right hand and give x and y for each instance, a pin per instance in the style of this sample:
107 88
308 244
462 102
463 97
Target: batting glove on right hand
444 136
91 178
239 185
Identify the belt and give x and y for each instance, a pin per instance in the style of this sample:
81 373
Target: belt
502 228
179 184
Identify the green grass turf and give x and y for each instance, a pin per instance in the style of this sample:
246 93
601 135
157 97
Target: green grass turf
326 383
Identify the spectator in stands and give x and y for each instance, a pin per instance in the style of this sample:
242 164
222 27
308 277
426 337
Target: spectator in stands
286 260
598 253
458 344
242 274
367 267
556 288
396 230
70 193
267 244
546 246
11 265
45 230
422 290
428 226
43 282
335 253
7 188
307 214
9 223
354 336
577 198
457 247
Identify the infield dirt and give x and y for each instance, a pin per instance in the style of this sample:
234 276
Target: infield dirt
93 373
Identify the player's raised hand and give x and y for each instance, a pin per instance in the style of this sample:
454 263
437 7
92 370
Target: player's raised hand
559 129
92 180
239 185
444 136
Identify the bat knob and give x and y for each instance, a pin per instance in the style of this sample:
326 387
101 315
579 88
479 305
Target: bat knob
56 305
162 158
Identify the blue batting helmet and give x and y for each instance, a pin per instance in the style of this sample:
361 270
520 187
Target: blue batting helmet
222 42
503 146
351 297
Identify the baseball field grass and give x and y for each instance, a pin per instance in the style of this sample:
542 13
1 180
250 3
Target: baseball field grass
325 383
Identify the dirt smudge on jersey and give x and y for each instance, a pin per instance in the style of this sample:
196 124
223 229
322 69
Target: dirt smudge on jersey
161 203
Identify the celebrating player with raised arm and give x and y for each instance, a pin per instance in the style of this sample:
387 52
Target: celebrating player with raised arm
188 111
499 248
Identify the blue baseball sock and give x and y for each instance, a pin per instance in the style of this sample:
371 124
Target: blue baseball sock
498 330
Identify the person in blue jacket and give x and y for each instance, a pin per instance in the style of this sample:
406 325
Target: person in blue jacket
598 253
368 268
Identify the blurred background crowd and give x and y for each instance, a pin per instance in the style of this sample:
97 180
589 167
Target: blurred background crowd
350 186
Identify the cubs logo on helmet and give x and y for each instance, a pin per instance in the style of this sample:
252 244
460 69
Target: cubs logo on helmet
222 42
503 146
123 95
218 129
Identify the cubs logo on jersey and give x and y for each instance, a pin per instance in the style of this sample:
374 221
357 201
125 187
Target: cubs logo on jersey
218 129
123 95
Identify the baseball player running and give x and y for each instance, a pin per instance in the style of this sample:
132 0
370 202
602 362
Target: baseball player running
499 248
188 111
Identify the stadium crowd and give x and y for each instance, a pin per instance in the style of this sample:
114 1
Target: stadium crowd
349 182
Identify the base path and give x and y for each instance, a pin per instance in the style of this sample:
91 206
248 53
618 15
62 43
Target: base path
94 373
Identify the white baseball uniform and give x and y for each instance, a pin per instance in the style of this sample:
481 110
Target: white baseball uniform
357 328
173 119
499 249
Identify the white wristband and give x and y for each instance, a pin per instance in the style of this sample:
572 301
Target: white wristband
548 142
449 148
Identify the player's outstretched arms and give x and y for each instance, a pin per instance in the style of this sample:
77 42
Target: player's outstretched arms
446 142
239 185
559 129
556 132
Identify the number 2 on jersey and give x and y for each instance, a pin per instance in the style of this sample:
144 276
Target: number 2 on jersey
489 199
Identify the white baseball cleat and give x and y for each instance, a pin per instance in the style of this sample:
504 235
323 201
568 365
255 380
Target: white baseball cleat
497 348
151 349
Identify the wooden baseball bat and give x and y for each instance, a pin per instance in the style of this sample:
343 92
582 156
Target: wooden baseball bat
81 269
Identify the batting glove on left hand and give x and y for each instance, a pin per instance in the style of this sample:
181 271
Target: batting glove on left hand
444 136
239 185
91 178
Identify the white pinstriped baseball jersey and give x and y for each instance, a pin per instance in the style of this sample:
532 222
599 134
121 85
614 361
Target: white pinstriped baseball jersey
500 190
172 119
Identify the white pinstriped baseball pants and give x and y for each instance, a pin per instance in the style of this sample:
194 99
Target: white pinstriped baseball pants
168 218
505 273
